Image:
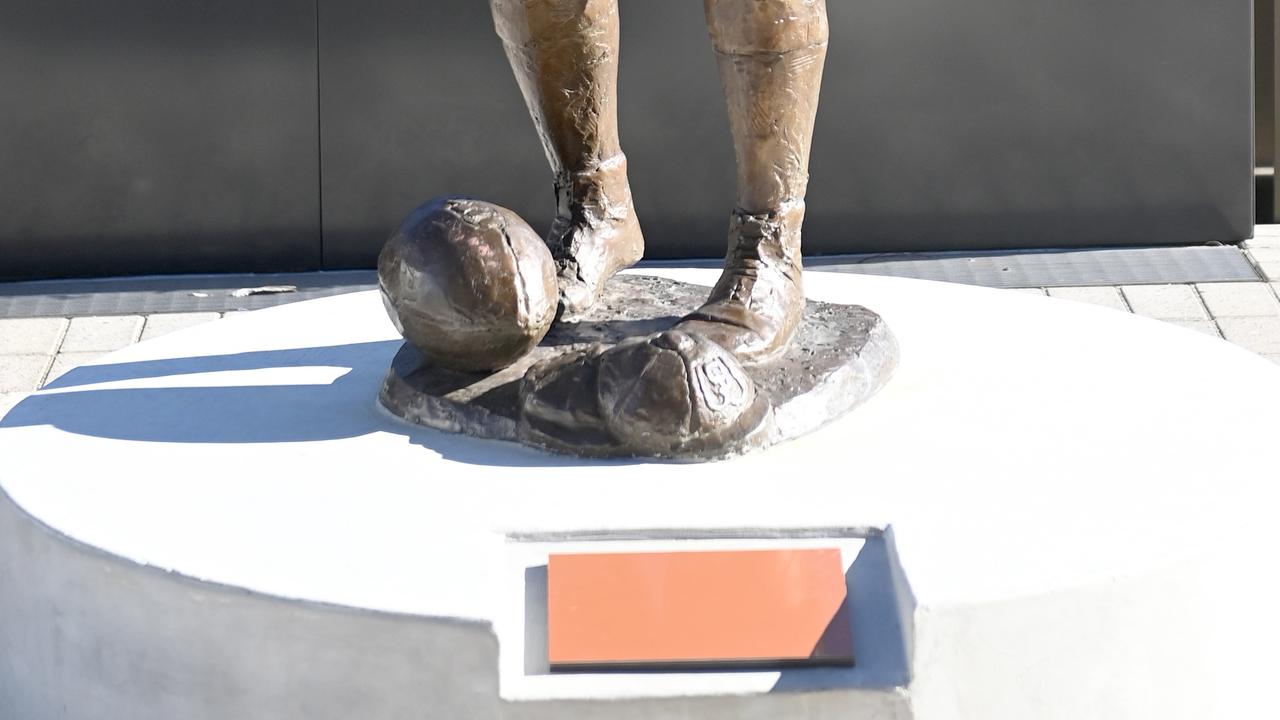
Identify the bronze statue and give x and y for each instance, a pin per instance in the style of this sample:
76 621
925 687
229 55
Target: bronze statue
629 371
771 54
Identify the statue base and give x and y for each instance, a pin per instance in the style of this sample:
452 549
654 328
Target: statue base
840 357
218 523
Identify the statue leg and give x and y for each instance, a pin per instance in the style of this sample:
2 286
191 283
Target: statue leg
565 57
771 55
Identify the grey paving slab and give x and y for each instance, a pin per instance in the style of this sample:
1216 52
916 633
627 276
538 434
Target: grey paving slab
1269 269
157 325
1165 302
1257 334
63 362
31 336
1267 259
1208 327
101 334
22 373
1265 233
1105 296
1239 299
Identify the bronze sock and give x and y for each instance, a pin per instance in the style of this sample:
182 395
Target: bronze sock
565 57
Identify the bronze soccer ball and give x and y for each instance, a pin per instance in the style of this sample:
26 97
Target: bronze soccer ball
468 283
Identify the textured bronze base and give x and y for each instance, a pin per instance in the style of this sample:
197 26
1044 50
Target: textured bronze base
841 355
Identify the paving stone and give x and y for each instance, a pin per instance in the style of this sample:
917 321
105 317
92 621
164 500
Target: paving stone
101 334
1208 327
68 361
1270 269
1262 242
1267 259
22 373
1236 299
158 325
1257 334
1165 302
1263 232
31 336
1265 251
1103 295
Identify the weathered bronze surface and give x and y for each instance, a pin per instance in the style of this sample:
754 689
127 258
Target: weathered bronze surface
666 395
650 371
771 55
468 283
840 356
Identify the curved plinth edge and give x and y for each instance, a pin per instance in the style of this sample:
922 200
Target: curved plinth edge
222 523
86 634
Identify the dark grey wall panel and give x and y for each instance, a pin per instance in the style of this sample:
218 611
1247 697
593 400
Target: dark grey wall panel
157 136
985 124
1264 81
1007 123
416 100
181 135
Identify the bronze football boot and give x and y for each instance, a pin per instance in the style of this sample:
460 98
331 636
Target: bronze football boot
771 55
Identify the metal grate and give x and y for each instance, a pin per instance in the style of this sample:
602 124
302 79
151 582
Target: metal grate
1044 268
170 293
1039 268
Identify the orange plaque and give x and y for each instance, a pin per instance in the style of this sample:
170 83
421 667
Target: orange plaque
754 607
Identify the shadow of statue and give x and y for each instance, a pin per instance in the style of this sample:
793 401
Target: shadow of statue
330 394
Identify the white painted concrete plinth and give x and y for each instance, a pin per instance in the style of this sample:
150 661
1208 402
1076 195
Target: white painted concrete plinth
1052 511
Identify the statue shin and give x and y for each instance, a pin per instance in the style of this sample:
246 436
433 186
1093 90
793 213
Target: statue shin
771 55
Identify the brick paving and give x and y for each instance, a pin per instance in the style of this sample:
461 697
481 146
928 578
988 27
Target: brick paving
101 334
157 325
1166 302
34 351
1104 295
